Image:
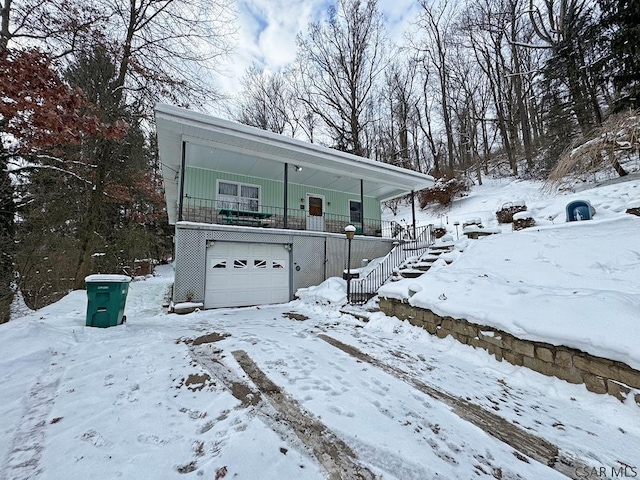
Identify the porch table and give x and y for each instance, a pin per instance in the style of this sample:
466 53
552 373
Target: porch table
244 217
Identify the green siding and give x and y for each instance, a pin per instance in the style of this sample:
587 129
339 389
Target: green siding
201 183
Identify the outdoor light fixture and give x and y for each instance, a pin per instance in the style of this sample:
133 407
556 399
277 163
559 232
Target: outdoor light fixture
456 223
350 232
297 168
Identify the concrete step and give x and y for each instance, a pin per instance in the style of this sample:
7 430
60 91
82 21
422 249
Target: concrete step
430 257
411 273
421 266
442 246
361 297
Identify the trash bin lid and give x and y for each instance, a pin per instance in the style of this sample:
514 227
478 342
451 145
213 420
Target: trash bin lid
104 277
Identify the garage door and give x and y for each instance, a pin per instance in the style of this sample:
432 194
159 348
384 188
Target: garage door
242 274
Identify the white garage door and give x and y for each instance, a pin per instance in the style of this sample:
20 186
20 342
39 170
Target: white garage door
242 274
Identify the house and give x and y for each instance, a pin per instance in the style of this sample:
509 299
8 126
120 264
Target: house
259 215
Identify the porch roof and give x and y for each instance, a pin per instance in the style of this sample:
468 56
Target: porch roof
221 145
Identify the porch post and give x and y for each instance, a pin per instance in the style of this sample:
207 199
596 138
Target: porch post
362 205
286 193
182 167
413 213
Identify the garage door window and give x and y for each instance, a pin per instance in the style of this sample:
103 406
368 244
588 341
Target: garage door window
220 264
240 264
278 264
260 264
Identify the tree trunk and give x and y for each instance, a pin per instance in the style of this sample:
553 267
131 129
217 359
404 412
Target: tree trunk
5 11
502 125
7 244
617 167
446 117
93 214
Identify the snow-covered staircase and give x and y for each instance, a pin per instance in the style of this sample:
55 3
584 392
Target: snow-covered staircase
365 287
416 266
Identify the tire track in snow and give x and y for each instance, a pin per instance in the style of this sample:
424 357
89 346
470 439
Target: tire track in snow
528 444
23 461
284 415
334 454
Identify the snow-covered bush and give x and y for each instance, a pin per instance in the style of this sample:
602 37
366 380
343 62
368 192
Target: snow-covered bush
439 232
444 191
523 219
505 214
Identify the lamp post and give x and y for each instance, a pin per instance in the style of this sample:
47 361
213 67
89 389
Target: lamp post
349 231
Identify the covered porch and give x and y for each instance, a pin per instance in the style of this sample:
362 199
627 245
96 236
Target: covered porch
221 172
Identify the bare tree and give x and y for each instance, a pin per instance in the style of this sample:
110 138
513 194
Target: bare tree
162 49
517 74
424 115
53 25
487 25
265 102
395 126
436 25
399 80
168 49
339 62
470 102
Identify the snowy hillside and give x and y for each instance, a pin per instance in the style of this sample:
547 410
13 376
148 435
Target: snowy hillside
572 284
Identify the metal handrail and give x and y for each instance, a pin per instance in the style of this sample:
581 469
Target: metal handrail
364 288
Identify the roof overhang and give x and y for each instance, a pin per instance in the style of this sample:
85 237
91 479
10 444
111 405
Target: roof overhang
215 144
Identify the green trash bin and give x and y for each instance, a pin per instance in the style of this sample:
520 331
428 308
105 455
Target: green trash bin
107 296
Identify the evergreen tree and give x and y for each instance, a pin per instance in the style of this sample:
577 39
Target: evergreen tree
38 114
126 219
620 38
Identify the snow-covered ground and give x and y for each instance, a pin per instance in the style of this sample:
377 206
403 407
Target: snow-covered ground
263 393
573 284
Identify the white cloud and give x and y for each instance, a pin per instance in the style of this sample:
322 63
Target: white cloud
399 16
267 31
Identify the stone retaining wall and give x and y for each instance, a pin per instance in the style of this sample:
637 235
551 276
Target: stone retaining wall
599 375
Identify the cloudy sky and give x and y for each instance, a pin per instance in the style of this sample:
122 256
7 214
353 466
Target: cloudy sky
267 31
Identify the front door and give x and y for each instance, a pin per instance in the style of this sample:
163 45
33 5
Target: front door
315 212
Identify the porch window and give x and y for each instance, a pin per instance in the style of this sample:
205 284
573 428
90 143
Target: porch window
238 196
355 211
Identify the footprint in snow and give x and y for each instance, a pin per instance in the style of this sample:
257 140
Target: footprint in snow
149 439
95 439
